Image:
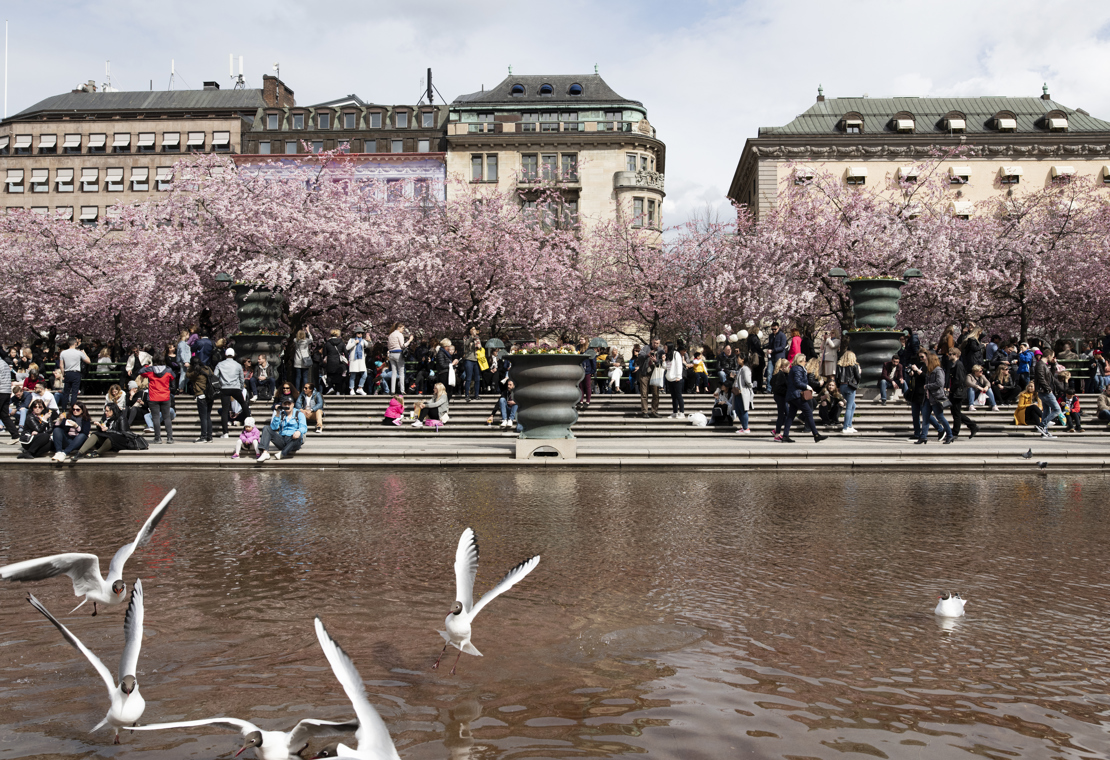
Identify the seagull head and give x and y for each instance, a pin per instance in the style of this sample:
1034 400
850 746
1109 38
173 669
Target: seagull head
945 595
118 587
331 750
128 685
253 739
456 608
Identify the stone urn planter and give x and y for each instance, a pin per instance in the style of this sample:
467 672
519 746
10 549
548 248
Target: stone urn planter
875 311
260 328
546 392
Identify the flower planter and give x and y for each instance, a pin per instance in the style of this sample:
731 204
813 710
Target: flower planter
875 314
546 392
261 329
873 348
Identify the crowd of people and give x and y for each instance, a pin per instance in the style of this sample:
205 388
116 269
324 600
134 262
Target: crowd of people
814 378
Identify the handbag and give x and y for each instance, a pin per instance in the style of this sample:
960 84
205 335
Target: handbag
451 375
807 394
480 355
674 372
656 380
445 418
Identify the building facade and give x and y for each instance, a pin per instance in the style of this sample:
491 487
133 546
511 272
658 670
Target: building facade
1008 143
568 132
81 154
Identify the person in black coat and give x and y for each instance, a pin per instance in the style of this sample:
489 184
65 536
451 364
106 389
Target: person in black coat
445 360
334 351
38 427
797 384
957 394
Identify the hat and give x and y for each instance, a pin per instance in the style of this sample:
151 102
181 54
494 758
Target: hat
287 401
229 352
248 422
132 384
1036 352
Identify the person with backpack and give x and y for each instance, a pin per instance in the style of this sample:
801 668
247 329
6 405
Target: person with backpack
204 390
848 376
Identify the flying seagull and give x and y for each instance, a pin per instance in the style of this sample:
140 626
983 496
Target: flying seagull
374 742
464 610
127 702
950 606
84 569
268 745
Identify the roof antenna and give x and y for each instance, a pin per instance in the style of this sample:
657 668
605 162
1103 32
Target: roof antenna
171 75
240 83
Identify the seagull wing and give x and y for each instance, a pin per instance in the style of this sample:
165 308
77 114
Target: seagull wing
83 569
243 726
511 578
132 632
76 644
466 567
373 736
310 727
115 568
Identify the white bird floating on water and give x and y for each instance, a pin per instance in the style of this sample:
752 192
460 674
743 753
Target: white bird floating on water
374 742
127 703
950 606
464 610
268 745
84 569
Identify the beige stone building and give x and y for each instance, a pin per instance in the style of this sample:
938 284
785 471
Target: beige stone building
568 131
80 154
1010 143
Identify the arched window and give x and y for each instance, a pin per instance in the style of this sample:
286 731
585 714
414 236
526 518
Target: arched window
575 89
518 90
546 89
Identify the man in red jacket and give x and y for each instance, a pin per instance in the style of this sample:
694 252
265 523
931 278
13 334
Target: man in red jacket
161 378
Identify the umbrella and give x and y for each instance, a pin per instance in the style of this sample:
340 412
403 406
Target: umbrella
599 343
493 343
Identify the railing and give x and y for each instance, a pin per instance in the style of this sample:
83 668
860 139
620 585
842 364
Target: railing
639 179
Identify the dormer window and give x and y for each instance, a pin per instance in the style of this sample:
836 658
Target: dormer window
852 123
574 89
856 175
1010 175
959 175
546 90
956 125
517 91
903 125
324 120
1005 123
402 118
298 121
1057 124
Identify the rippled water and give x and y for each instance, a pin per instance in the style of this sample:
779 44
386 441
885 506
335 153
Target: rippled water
684 615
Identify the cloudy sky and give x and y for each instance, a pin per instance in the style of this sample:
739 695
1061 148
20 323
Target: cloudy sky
710 73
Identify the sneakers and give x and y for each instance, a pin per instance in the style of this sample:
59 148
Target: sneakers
319 429
397 422
263 456
277 456
418 423
1047 435
58 456
360 392
148 430
971 408
234 456
994 408
224 435
202 439
254 398
743 431
848 431
12 441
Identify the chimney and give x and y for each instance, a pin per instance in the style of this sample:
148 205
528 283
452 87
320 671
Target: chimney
275 93
211 85
820 94
1044 92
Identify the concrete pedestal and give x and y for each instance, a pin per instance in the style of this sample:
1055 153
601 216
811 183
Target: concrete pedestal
564 448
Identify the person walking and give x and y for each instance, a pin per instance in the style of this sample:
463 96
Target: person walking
71 360
160 379
957 394
848 376
229 377
1044 379
397 344
743 396
649 377
798 395
471 372
675 369
780 381
200 380
935 391
356 363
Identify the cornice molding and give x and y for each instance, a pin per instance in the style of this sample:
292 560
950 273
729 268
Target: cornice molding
1028 150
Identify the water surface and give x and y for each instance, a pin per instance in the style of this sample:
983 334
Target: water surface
673 615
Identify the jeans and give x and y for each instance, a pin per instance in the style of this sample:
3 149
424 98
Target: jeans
938 420
5 415
972 393
204 411
161 411
1103 416
71 386
67 446
768 372
1051 409
269 382
1022 380
740 410
471 373
301 375
882 388
507 412
355 380
921 425
287 444
849 395
397 368
1101 382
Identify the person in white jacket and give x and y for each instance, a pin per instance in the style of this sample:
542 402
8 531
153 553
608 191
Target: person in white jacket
357 348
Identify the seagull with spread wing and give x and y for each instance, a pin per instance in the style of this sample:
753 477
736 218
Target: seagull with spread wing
465 610
84 569
268 745
127 703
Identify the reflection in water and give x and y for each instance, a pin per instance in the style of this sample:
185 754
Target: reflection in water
678 615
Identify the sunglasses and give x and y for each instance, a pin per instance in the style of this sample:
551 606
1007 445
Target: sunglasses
76 410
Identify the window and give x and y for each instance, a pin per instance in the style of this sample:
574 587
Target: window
163 178
40 210
423 146
98 143
350 120
40 180
221 141
121 143
1010 175
643 163
1106 175
72 145
428 119
1061 175
317 146
272 120
113 214
612 122
959 175
145 143
22 145
1058 125
570 167
420 189
140 176
549 122
546 90
574 89
63 180
90 180
637 212
803 175
962 209
14 180
476 168
114 180
171 142
570 214
1006 124
491 168
369 146
630 162
298 121
550 163
853 126
264 147
64 212
394 190
908 173
48 145
4 142
376 120
324 120
529 164
402 118
517 91
396 146
856 175
651 213
528 122
89 214
196 141
956 125
903 125
291 147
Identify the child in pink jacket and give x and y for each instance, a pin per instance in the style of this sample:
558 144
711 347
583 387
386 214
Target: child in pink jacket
249 438
395 411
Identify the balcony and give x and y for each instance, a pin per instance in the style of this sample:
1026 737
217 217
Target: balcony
641 180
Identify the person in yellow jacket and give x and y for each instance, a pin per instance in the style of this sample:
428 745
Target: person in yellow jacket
1028 407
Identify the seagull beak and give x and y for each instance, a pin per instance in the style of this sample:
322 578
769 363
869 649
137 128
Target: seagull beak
242 750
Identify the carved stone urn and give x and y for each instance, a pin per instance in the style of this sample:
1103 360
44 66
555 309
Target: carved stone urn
875 311
546 393
260 328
